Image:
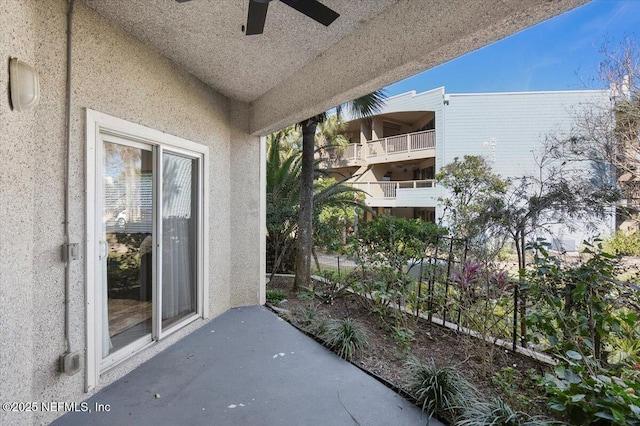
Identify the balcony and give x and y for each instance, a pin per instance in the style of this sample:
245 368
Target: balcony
409 145
394 148
410 193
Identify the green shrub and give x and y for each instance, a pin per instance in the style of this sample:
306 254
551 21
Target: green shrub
275 296
582 313
346 337
580 307
403 337
622 244
441 392
585 392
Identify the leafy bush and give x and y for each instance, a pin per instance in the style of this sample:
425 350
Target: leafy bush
393 241
622 244
582 312
275 296
581 308
346 337
441 392
403 337
384 248
585 392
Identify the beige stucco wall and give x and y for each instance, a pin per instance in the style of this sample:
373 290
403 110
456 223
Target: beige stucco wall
115 74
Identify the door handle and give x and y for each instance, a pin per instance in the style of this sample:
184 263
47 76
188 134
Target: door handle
102 250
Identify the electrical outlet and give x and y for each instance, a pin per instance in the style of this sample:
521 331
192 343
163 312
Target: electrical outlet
70 252
70 363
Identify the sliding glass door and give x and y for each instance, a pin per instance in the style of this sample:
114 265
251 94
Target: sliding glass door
149 245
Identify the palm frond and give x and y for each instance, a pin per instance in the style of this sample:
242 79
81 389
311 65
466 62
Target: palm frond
364 106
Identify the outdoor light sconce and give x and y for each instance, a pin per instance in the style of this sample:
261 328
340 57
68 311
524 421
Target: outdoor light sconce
24 85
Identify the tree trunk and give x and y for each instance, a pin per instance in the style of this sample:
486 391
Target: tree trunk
315 259
305 219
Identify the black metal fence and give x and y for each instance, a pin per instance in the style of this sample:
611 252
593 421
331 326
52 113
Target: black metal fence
446 289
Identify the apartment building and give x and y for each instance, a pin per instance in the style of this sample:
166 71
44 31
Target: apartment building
395 155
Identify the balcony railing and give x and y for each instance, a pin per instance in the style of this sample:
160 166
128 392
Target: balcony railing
353 155
388 189
402 143
353 151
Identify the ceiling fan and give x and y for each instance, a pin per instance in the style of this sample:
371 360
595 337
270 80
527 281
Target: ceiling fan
312 8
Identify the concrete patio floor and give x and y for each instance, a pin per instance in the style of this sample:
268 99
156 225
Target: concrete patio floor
248 367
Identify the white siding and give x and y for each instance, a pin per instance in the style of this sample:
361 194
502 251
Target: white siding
517 123
418 197
509 130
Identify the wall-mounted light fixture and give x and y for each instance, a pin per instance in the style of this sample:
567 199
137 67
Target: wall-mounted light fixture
24 85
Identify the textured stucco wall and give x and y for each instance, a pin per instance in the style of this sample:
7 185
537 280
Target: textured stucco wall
115 74
17 144
245 218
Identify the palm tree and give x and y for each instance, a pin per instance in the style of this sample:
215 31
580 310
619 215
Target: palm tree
365 106
283 196
330 135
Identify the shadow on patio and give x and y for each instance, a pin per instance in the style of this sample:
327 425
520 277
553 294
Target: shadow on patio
248 367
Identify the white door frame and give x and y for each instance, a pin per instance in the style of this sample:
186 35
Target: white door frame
97 124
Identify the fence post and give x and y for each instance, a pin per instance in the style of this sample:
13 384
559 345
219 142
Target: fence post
432 278
516 290
419 294
523 316
464 265
446 283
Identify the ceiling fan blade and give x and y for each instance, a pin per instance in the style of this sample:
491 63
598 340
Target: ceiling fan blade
182 1
314 10
256 17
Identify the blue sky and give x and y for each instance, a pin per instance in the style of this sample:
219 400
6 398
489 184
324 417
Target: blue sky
558 54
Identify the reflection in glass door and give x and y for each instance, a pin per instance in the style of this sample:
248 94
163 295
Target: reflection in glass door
127 290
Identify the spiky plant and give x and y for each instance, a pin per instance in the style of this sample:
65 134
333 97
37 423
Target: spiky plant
346 337
497 412
320 326
440 391
307 315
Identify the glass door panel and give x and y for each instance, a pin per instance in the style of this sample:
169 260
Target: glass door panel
179 237
128 229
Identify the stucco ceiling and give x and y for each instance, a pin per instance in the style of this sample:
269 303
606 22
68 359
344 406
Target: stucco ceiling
298 67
